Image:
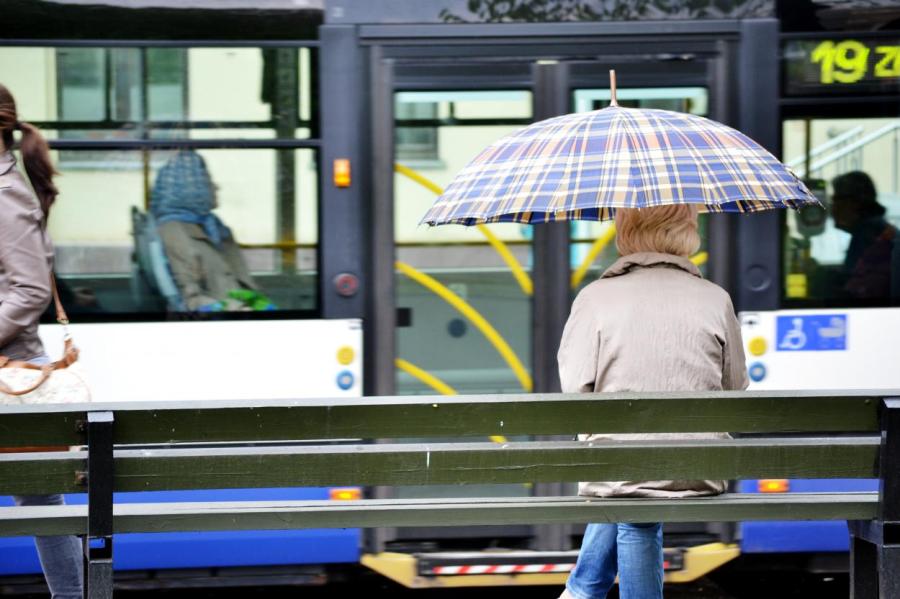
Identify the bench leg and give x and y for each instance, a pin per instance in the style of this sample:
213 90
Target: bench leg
98 572
863 569
889 571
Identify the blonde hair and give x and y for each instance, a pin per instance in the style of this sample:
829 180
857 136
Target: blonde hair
662 229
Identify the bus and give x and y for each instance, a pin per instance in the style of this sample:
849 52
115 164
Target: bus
328 128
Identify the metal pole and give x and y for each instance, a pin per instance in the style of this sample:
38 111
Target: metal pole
807 147
759 265
344 211
286 117
143 133
552 294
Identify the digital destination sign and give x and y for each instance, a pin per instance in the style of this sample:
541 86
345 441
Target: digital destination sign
841 66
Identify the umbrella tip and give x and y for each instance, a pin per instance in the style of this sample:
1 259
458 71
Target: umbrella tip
612 88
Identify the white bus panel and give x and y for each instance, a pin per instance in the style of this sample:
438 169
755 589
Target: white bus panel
179 361
823 349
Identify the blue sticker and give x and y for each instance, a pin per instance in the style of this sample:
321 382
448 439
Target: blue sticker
819 332
757 372
345 380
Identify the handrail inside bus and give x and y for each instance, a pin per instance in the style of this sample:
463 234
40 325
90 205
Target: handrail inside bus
480 322
598 246
518 272
435 383
849 148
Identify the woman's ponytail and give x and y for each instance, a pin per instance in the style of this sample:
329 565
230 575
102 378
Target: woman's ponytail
34 149
36 158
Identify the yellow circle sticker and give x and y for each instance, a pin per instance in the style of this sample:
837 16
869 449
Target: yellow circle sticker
757 346
345 355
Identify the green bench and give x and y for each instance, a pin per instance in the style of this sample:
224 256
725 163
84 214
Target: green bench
783 435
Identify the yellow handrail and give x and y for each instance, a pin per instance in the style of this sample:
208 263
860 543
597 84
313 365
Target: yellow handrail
517 271
700 259
598 246
436 384
425 377
474 317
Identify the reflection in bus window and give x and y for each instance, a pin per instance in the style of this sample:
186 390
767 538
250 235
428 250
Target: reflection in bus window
850 254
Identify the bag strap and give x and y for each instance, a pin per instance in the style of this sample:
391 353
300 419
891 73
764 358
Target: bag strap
70 352
45 374
61 316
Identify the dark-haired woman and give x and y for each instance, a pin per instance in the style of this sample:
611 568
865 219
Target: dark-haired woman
25 261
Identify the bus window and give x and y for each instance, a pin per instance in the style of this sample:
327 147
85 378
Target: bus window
222 220
849 253
436 134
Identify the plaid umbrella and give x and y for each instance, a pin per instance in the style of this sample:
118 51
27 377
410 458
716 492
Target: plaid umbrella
583 166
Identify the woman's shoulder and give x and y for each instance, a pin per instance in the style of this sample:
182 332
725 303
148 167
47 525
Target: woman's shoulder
691 288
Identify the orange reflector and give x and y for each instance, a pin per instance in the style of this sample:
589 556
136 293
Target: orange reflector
341 172
345 494
773 485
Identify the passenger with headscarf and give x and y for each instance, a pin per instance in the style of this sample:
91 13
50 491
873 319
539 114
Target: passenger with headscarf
204 258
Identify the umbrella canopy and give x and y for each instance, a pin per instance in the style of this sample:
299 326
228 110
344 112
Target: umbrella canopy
583 166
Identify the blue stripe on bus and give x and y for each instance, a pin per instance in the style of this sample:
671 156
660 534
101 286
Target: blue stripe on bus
812 536
145 551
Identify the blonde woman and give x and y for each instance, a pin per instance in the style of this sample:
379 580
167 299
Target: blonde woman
650 323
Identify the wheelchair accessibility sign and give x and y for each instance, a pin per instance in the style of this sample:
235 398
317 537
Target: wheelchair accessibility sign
819 332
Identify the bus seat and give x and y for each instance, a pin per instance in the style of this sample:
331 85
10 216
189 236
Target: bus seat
151 261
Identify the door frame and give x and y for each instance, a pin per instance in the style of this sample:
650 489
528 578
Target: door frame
555 66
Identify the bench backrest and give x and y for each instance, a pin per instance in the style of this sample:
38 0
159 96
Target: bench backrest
330 442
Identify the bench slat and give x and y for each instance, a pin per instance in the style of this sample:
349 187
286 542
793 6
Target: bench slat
275 515
457 463
438 416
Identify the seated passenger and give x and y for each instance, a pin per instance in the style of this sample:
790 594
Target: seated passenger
871 268
204 258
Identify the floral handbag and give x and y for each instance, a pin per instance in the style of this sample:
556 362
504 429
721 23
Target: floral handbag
56 382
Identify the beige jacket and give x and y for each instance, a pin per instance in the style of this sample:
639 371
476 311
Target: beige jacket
26 255
651 323
203 272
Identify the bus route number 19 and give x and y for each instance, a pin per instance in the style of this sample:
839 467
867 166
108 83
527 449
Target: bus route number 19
848 61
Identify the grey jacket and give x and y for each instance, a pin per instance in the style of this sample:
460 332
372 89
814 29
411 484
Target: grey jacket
26 255
203 272
651 323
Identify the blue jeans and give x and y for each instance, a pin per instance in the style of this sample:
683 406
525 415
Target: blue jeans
635 551
61 556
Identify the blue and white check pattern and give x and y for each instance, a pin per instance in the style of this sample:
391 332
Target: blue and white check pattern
583 166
